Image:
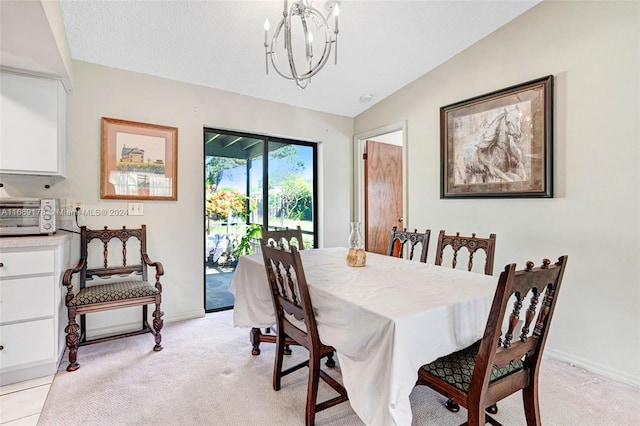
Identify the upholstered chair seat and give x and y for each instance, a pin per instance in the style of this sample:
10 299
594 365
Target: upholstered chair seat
457 368
111 292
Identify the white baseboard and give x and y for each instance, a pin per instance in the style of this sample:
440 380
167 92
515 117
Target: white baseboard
593 367
97 332
198 313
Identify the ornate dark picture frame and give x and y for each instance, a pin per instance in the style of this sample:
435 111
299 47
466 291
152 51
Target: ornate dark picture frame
139 161
500 144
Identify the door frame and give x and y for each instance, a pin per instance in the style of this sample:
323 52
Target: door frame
359 140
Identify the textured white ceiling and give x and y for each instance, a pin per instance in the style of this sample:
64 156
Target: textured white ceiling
383 45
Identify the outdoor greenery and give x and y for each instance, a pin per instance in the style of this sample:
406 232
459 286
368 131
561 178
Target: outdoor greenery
253 231
290 199
227 201
297 198
216 166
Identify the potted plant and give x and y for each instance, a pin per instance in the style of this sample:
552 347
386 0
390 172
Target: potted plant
247 242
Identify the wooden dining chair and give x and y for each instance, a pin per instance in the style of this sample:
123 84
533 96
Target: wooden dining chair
501 364
472 245
283 237
275 238
399 239
295 319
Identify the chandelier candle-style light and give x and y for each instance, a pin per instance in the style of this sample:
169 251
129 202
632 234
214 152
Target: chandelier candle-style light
300 49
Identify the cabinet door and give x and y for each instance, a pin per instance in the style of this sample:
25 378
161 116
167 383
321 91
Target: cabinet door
31 109
15 264
26 342
25 298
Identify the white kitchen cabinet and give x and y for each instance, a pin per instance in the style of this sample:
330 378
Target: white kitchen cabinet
32 309
33 125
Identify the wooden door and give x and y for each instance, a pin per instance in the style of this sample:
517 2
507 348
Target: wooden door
383 193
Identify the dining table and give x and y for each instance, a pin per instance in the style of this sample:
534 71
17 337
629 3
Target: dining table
385 319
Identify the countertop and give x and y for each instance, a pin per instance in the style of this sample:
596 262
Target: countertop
34 240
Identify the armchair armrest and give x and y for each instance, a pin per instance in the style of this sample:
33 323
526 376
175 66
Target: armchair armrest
68 275
157 265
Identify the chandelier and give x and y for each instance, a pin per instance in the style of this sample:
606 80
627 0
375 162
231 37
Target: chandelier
310 27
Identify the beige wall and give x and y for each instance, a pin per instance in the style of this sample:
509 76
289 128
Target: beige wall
176 228
592 49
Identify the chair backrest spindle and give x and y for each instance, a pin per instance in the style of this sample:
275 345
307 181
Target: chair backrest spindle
286 238
472 244
110 238
399 240
524 287
289 287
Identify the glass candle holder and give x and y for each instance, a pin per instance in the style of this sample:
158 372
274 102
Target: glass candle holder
356 255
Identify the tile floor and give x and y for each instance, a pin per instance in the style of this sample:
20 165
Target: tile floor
21 403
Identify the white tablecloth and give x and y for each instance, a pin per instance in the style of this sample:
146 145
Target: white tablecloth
385 320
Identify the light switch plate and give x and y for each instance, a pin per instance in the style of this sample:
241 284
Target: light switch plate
136 209
71 204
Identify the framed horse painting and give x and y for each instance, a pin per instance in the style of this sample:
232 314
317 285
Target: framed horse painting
499 144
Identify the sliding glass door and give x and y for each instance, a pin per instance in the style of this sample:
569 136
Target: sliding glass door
252 181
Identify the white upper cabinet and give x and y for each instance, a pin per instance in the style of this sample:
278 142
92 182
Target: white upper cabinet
32 125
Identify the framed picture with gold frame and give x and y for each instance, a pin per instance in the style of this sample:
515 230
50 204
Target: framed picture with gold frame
499 144
139 161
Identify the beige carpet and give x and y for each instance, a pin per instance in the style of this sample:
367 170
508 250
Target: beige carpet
206 375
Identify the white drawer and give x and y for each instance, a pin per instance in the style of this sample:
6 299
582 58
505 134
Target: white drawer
25 298
23 263
26 342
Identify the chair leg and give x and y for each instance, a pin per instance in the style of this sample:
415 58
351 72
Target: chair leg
475 416
83 328
254 337
330 361
531 405
73 340
312 390
144 316
287 348
452 406
157 326
277 365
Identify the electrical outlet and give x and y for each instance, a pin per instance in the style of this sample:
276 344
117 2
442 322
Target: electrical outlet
71 204
136 209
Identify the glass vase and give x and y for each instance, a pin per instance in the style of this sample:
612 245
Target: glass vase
356 255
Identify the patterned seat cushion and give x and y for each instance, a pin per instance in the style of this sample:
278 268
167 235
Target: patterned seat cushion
457 368
113 291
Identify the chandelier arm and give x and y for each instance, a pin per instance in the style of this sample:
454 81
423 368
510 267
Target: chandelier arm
308 52
327 42
303 10
274 55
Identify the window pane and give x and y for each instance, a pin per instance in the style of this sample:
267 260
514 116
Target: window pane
290 192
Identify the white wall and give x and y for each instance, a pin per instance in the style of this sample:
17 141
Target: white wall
592 49
176 228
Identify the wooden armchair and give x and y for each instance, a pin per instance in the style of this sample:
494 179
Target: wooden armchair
399 240
291 299
500 364
135 290
283 238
